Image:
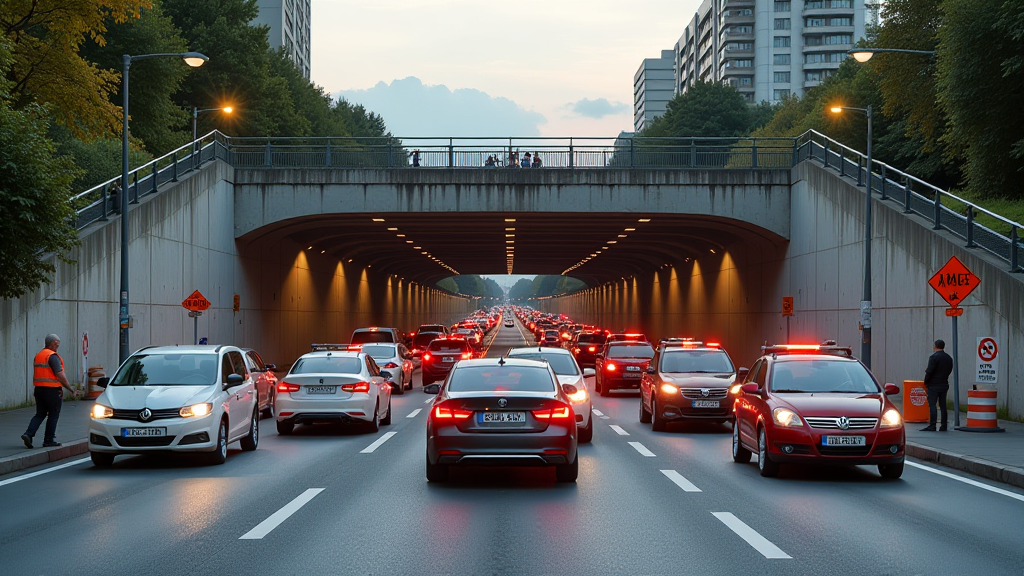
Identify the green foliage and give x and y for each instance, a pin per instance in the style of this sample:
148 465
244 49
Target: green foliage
707 109
99 160
472 285
545 285
449 285
522 289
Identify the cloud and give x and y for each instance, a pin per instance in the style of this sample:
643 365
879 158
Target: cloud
411 108
596 108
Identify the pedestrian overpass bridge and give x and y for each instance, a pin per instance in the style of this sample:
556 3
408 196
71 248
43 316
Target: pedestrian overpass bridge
695 237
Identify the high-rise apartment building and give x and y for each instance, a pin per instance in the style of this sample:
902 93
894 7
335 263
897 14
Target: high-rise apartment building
289 27
653 87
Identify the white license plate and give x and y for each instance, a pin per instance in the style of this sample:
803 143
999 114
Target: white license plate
321 389
706 404
448 359
843 441
502 417
142 432
632 375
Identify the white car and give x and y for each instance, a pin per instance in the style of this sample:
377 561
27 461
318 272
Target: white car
568 372
395 359
178 399
334 384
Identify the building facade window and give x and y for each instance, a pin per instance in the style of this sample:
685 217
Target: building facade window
781 59
780 94
739 64
816 75
822 57
814 4
781 6
781 42
843 21
740 46
812 41
781 77
810 22
782 24
834 39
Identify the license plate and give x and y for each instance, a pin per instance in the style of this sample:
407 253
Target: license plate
843 441
706 404
502 417
448 359
321 389
142 432
632 375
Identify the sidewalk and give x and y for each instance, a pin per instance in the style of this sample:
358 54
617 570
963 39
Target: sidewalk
72 432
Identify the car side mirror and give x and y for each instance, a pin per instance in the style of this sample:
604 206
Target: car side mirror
751 389
233 380
569 389
103 382
652 370
434 389
271 367
741 374
587 372
891 389
386 375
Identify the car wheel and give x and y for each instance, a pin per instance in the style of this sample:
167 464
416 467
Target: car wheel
739 453
645 415
220 451
374 425
285 428
102 459
400 389
568 472
252 440
585 435
386 420
888 471
436 472
765 464
408 382
602 389
658 422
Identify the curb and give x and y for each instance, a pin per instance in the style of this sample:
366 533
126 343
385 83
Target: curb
1011 475
40 457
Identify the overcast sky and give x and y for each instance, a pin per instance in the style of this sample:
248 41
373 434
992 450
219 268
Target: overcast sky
472 67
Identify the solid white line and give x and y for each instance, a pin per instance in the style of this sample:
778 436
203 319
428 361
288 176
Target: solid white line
597 412
275 520
428 401
683 483
642 449
618 430
369 449
1013 495
47 471
414 413
760 543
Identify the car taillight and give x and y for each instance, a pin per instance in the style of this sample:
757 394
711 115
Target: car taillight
560 413
611 367
390 365
357 387
467 355
355 347
565 336
592 348
426 356
443 412
286 387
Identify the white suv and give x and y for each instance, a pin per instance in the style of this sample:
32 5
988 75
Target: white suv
179 399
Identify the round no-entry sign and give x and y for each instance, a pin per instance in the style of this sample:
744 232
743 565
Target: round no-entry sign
987 350
85 344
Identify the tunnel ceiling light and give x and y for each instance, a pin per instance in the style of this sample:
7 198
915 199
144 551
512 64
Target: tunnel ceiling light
309 248
424 253
510 241
593 255
393 229
408 241
322 251
378 219
369 265
417 247
510 235
510 219
613 241
510 229
712 250
630 229
644 220
401 235
623 235
349 260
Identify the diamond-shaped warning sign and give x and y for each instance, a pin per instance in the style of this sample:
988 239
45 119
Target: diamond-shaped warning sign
954 282
196 302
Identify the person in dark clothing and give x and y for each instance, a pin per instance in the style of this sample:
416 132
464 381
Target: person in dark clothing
49 380
936 382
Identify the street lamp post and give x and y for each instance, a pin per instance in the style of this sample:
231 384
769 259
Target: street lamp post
195 60
195 117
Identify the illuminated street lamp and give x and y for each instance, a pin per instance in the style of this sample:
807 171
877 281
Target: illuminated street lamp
864 54
195 117
195 60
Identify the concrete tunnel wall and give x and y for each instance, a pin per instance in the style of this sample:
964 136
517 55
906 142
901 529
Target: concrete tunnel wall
736 297
182 239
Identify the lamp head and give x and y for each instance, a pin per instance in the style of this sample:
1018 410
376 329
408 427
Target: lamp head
862 55
836 109
227 109
194 59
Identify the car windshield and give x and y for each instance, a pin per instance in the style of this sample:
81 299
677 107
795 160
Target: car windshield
431 328
562 364
591 339
822 376
380 351
631 351
423 338
707 361
168 370
328 365
501 379
551 333
365 337
449 346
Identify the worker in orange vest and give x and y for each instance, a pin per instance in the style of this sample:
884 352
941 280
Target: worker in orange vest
49 380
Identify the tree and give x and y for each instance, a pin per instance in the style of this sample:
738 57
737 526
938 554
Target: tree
707 109
522 289
449 285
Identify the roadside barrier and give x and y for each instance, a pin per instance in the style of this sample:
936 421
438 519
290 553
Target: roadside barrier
915 401
981 412
95 373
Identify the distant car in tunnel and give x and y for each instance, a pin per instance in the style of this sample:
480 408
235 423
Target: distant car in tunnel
420 343
621 366
688 380
551 338
441 355
586 345
376 334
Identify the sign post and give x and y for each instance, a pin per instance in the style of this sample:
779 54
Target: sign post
85 363
954 282
195 304
787 311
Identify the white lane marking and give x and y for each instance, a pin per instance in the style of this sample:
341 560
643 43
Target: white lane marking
597 412
414 413
47 471
618 430
1013 495
605 418
642 449
683 483
275 519
369 449
760 543
428 400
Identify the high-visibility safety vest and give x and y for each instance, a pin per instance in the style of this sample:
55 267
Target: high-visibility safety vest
42 374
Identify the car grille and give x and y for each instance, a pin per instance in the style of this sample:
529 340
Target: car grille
161 414
844 450
832 423
144 441
713 393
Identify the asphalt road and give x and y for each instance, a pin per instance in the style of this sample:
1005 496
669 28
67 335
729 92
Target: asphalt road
332 501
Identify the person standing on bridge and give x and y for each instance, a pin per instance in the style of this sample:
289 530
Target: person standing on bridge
415 158
936 382
48 379
536 159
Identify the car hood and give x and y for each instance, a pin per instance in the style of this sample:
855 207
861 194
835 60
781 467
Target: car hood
691 380
832 404
154 397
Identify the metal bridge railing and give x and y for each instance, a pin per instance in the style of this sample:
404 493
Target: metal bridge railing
944 210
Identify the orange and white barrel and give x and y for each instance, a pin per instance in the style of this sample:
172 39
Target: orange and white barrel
981 412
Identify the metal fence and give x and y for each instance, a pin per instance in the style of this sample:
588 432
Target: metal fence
944 210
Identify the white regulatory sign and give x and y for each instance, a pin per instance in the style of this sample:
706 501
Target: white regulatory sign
986 357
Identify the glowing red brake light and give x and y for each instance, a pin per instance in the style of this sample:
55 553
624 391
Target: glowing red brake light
467 355
610 367
426 356
286 387
355 347
714 345
592 348
390 365
560 413
357 387
449 413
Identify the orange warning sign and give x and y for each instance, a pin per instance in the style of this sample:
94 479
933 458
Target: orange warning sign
954 282
196 302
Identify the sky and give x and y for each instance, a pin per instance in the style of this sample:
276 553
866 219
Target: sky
473 68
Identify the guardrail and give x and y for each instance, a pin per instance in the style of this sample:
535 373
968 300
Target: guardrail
944 210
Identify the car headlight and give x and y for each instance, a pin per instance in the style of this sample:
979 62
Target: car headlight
578 397
669 389
99 411
786 417
196 410
735 388
891 418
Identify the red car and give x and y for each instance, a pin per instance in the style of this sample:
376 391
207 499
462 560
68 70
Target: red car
621 365
816 404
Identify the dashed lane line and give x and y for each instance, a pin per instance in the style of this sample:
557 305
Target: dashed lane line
975 483
428 400
618 430
41 472
597 412
414 413
275 519
642 449
378 443
758 542
680 481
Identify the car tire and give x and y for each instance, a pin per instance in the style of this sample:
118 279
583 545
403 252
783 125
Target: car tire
740 454
436 472
102 459
645 415
658 422
586 435
220 451
408 383
251 440
765 465
602 389
888 471
386 420
373 425
399 390
568 472
285 428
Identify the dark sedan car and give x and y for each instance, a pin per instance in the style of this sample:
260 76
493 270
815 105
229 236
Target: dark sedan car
504 412
688 381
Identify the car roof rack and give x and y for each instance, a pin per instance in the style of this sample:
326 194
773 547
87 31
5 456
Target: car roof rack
828 347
